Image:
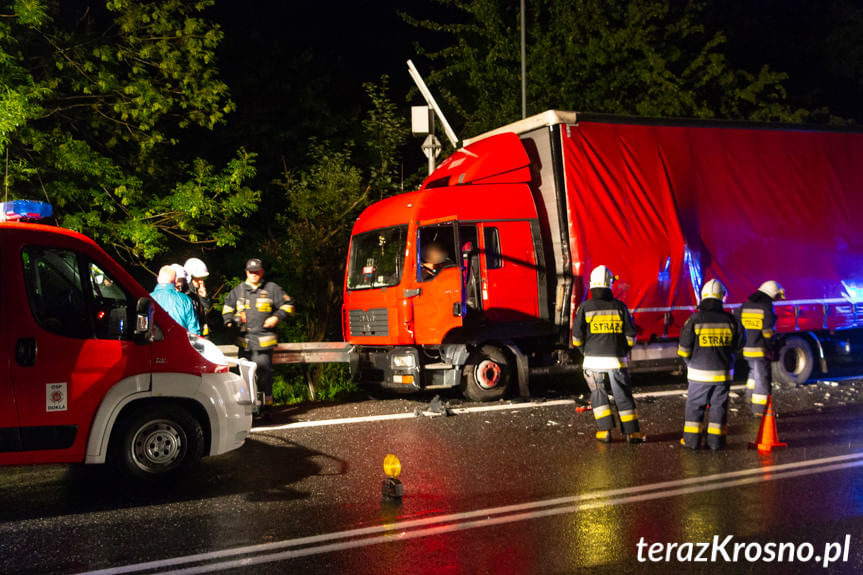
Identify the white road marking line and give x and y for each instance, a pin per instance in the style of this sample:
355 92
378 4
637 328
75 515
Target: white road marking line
456 410
491 521
629 494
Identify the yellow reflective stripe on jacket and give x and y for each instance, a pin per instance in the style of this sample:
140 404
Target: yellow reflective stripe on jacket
226 309
604 322
752 319
288 308
714 336
684 352
630 341
708 375
753 352
577 342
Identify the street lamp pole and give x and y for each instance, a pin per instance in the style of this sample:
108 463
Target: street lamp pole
523 66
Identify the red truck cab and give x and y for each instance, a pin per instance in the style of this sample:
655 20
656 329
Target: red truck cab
415 328
94 370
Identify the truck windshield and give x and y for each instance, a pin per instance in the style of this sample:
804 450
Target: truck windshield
377 258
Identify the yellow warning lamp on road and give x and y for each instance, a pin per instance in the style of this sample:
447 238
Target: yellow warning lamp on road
391 488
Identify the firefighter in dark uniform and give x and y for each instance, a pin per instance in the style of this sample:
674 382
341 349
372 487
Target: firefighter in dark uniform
758 320
708 341
604 332
254 308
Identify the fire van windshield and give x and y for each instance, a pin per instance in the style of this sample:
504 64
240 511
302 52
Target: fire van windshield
377 258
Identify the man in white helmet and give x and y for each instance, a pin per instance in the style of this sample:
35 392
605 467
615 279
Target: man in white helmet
707 344
758 320
197 272
604 332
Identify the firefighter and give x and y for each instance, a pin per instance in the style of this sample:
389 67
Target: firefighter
197 273
758 320
708 341
178 306
254 308
604 332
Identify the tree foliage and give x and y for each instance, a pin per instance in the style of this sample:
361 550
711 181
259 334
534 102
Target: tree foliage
321 202
96 98
640 57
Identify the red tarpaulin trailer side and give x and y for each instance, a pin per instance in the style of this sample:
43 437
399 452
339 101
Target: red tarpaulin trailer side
668 206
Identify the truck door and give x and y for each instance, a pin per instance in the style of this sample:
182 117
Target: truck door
510 283
439 307
8 417
73 340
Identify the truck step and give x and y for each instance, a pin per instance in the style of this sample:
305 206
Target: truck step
440 365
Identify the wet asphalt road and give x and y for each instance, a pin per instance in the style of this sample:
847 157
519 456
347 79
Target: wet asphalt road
307 499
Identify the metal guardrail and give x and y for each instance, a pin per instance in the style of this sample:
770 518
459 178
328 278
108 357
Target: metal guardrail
303 352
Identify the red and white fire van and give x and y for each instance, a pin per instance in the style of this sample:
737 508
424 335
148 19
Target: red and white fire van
94 371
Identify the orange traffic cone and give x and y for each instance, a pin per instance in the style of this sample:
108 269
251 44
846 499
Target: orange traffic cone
768 436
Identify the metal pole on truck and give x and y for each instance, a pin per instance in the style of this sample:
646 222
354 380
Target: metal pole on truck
430 146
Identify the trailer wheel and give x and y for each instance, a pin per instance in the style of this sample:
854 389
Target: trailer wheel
157 444
795 361
487 374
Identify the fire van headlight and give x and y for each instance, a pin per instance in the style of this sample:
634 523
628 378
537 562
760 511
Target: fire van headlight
403 361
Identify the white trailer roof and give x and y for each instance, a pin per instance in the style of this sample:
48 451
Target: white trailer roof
547 118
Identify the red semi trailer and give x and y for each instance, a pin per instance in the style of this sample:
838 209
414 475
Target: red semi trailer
527 210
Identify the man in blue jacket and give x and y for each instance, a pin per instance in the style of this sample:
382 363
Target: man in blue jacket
178 305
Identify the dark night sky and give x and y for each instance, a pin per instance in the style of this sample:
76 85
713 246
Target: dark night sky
296 68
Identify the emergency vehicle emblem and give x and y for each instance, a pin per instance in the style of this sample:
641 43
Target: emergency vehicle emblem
55 397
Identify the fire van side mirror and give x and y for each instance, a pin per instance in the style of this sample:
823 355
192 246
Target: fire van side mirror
143 320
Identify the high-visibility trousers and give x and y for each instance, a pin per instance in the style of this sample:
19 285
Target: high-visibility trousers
759 383
699 396
618 381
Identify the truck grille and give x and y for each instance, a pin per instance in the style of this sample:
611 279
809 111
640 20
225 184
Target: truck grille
372 322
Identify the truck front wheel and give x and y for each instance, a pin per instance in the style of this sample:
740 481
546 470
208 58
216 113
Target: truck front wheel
157 443
487 374
794 362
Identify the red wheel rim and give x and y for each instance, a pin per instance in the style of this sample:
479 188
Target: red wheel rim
488 374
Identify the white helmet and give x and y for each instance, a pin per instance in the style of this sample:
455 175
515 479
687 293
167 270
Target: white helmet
195 268
713 289
180 271
773 290
601 277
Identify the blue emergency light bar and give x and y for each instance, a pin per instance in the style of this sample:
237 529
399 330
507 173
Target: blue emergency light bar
25 210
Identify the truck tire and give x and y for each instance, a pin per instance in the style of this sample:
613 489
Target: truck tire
487 374
158 443
794 362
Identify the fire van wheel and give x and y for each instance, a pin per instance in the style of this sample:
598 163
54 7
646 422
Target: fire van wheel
486 375
795 361
158 443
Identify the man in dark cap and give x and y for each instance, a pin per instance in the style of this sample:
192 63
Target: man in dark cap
255 308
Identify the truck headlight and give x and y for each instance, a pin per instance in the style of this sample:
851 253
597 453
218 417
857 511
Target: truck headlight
403 361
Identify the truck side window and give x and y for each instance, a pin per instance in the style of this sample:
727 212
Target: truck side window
493 256
437 250
55 291
113 305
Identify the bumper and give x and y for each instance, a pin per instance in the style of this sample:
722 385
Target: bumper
228 398
395 369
